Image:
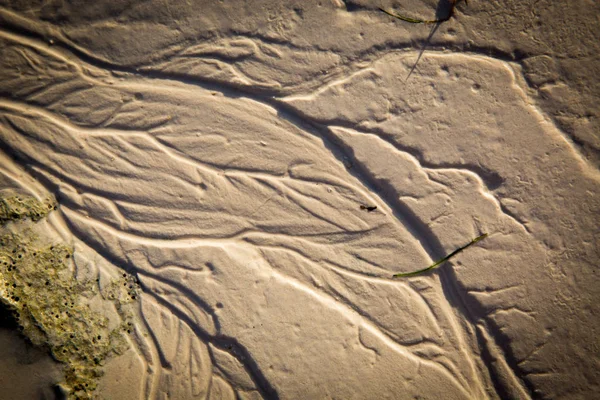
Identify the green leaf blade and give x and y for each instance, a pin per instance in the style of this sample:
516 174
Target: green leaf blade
441 261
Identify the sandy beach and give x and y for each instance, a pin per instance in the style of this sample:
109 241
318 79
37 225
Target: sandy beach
210 200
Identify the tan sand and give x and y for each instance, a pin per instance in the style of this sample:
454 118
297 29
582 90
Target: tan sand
239 181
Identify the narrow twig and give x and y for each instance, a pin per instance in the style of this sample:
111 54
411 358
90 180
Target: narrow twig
435 264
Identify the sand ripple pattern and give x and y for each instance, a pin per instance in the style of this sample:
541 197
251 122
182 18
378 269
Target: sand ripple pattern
262 276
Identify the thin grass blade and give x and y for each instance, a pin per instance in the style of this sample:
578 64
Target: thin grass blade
407 19
435 264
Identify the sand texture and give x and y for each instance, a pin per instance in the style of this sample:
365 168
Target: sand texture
220 193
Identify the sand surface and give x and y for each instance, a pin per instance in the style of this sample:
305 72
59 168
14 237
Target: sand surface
227 158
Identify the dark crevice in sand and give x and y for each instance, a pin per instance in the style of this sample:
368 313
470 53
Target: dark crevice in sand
489 359
503 342
491 179
159 351
227 344
474 312
196 300
411 222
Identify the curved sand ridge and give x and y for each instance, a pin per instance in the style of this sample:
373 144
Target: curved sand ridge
261 273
